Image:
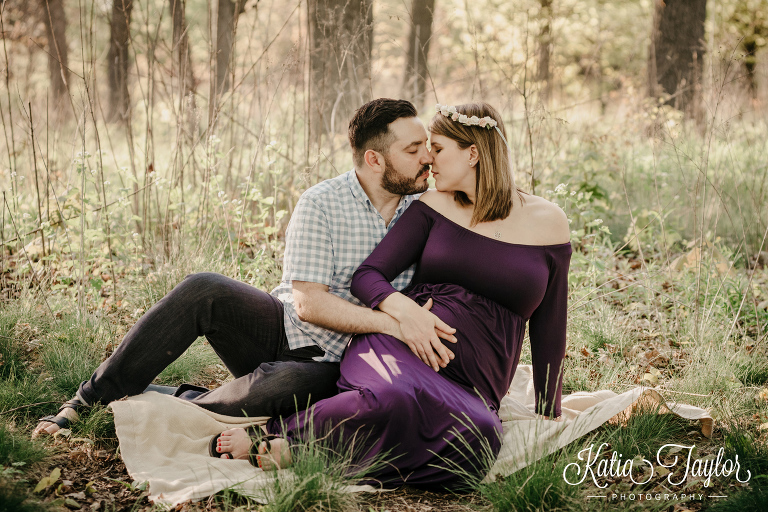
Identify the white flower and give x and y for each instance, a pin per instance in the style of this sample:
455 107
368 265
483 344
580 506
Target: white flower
474 121
463 119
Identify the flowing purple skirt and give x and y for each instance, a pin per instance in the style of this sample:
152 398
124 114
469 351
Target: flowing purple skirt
434 432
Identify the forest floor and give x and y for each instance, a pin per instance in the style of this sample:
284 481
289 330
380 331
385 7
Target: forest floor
615 346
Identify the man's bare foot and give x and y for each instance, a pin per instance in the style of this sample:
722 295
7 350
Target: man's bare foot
274 455
45 427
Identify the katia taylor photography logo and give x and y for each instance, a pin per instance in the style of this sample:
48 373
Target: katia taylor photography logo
677 460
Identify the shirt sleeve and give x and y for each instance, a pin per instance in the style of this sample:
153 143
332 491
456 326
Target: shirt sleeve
308 248
547 333
398 250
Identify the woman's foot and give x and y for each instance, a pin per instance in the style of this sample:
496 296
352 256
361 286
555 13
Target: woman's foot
51 424
270 454
234 444
274 454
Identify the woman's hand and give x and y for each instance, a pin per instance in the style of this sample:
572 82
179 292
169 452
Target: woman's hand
421 329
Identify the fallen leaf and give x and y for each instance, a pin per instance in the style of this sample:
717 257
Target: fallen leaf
652 379
49 480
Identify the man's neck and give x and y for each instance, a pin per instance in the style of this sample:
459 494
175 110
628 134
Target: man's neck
385 203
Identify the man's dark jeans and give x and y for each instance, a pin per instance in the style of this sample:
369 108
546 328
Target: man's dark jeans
244 325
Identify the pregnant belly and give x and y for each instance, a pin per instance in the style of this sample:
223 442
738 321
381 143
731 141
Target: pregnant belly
489 338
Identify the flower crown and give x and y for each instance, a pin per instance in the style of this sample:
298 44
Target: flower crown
486 122
451 112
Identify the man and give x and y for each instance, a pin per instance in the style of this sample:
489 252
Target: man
283 348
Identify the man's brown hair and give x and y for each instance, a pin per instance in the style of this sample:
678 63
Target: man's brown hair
369 127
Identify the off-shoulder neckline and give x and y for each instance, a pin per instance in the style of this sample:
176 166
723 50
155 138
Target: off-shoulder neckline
463 228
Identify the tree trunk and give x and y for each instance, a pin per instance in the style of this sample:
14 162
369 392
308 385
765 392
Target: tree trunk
416 69
545 46
224 23
55 29
181 46
341 41
676 53
119 99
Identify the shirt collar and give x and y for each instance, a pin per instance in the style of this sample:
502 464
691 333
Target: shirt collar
357 188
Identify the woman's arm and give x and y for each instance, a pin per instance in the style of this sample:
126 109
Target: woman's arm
399 249
547 332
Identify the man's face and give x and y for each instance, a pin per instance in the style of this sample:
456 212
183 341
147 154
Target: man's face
406 163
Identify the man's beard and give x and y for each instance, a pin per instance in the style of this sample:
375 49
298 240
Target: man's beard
395 182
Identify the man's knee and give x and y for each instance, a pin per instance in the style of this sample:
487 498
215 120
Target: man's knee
202 279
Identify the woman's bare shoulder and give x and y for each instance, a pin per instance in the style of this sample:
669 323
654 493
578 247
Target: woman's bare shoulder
441 202
548 219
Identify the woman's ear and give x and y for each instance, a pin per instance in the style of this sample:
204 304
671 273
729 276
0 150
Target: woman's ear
474 156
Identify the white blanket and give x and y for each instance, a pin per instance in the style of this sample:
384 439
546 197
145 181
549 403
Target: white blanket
164 440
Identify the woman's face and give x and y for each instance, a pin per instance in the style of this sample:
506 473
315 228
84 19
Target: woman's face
451 167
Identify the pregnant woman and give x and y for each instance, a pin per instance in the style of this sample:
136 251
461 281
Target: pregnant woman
489 260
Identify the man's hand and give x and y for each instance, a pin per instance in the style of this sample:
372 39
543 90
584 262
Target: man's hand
316 305
421 330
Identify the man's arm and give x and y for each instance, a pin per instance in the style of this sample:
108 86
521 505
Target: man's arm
316 305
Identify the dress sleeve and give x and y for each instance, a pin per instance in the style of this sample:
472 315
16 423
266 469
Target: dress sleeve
398 250
547 332
308 246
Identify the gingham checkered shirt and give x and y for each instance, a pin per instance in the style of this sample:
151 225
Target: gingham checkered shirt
334 227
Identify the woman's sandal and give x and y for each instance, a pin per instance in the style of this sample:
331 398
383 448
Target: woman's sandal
258 437
59 419
272 464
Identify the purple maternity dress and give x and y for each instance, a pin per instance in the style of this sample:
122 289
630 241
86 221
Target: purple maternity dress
431 423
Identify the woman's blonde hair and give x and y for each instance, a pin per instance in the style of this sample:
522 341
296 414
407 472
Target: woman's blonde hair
494 180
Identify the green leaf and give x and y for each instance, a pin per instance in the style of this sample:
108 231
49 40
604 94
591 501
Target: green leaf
49 480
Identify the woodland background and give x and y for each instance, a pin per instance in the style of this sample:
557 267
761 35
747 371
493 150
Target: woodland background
146 139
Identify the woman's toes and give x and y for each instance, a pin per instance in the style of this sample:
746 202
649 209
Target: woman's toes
276 455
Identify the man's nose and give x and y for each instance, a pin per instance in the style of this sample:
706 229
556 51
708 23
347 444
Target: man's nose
427 159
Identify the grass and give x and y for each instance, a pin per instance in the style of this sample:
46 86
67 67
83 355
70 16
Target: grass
190 365
645 432
755 498
538 487
322 470
15 448
14 497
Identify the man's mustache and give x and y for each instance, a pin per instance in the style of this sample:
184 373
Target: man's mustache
424 170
